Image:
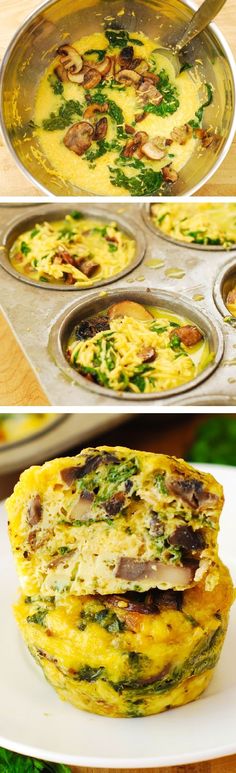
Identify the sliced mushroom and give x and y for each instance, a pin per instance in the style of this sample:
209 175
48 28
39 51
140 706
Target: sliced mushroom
132 569
150 76
62 256
100 129
81 508
95 108
189 335
169 174
211 139
88 267
147 354
181 134
129 309
77 77
71 474
140 117
89 327
125 56
129 129
149 93
35 511
91 78
133 144
190 490
70 58
231 297
69 279
187 538
61 559
153 151
79 137
131 77
114 505
141 67
104 67
61 73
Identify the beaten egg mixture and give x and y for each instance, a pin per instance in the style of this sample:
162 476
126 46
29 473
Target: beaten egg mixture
155 104
77 251
205 223
138 350
131 655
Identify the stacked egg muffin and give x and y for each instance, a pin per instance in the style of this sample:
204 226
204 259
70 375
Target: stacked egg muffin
124 601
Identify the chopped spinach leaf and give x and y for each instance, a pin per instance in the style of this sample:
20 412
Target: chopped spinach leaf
146 183
160 483
38 617
34 232
76 214
56 84
170 102
120 472
70 109
119 38
100 53
196 122
88 674
24 248
186 66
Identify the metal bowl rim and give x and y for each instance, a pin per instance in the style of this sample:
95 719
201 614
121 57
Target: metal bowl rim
34 435
217 294
212 27
56 352
145 211
126 223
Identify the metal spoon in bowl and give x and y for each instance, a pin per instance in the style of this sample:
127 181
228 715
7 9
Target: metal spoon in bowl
203 16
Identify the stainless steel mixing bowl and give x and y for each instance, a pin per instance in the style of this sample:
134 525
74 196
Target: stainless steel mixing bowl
52 212
64 325
33 48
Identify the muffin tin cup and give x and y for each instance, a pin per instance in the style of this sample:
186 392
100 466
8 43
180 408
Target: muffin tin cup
55 212
169 301
146 214
225 280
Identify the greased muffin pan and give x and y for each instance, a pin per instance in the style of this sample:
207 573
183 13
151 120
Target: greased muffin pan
167 273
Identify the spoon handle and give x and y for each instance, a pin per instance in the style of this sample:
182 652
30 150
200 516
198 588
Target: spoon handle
207 11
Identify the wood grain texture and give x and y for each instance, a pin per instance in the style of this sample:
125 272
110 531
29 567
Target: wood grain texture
18 383
13 182
226 765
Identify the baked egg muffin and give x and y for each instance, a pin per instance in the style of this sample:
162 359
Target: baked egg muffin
129 655
112 520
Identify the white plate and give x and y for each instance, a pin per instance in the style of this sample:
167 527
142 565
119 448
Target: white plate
34 721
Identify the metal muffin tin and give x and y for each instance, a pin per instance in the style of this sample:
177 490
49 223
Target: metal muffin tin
166 267
172 302
52 212
225 281
33 48
146 212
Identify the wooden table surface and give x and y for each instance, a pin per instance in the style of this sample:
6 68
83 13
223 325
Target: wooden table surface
18 382
171 435
14 183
